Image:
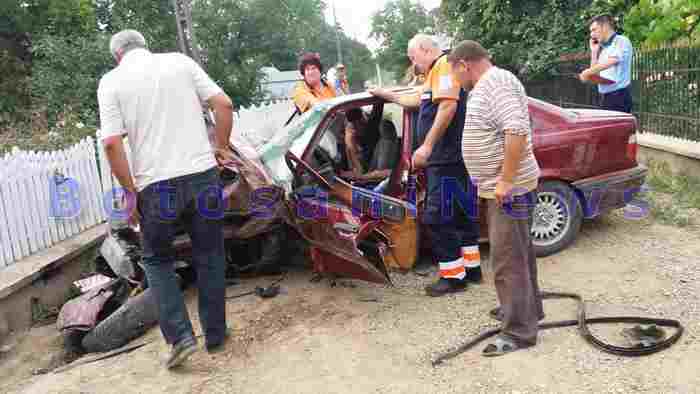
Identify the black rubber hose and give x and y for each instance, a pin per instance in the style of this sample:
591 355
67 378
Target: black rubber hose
582 322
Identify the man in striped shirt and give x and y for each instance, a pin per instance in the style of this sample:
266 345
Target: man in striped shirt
497 151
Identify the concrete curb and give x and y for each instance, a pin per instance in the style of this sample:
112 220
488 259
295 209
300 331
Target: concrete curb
24 272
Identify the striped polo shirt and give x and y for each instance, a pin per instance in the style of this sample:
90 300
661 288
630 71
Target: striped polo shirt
497 105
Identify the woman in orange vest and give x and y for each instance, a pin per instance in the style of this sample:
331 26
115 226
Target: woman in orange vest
313 88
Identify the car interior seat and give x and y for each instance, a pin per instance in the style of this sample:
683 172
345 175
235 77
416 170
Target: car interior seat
386 152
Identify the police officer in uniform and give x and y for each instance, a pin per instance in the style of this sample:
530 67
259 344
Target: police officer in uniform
454 232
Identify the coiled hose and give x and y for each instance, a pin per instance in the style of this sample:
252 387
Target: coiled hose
582 322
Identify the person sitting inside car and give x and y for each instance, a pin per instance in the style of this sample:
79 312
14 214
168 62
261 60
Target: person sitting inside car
370 153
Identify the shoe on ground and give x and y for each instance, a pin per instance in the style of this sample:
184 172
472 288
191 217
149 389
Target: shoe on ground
445 286
180 352
502 345
218 347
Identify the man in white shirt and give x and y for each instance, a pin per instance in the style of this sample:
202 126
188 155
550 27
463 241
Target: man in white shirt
156 100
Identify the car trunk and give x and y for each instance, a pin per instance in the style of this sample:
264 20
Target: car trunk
613 144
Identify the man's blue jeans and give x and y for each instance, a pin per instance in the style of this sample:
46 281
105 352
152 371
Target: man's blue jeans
196 202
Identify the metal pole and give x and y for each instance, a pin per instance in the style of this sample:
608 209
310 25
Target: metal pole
337 36
188 46
179 21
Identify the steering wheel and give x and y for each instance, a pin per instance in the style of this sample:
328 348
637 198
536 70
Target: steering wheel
292 162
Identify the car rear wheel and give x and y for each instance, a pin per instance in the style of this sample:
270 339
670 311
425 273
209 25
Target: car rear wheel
556 219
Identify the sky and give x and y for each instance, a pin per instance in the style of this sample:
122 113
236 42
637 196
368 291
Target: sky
355 16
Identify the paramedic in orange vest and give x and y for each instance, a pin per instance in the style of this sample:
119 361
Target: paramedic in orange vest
454 232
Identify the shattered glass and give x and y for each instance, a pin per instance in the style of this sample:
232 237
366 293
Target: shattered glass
294 137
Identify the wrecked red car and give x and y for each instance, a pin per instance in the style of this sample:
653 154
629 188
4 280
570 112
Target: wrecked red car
294 178
587 158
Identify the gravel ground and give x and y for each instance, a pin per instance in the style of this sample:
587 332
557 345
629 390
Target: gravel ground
362 338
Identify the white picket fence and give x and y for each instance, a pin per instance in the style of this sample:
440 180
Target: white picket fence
27 222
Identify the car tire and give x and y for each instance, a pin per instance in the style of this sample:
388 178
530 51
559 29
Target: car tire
130 321
557 218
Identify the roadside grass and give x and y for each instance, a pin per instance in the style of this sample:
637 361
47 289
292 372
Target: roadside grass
673 199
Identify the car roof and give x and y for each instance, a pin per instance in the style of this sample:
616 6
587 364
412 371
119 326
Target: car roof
366 98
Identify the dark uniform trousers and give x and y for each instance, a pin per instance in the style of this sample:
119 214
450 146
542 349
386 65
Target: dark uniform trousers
451 220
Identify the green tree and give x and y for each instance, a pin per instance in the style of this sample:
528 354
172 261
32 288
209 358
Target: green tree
229 55
394 26
155 19
65 74
356 56
22 26
654 22
39 17
359 62
528 36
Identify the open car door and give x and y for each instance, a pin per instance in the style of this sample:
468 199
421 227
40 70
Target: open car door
353 231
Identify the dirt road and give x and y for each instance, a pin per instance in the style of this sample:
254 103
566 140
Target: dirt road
362 338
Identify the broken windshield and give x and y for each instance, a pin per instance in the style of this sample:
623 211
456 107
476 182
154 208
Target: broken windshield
294 137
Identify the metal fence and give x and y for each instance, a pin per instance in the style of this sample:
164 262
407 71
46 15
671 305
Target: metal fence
665 89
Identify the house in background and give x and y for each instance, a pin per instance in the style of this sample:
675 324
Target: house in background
278 84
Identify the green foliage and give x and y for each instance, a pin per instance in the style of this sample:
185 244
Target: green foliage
236 43
155 19
66 71
284 29
57 17
356 56
654 22
359 62
672 196
219 27
394 26
528 36
14 87
22 25
53 53
668 82
66 131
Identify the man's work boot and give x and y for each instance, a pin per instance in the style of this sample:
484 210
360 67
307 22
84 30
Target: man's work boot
180 352
473 275
445 286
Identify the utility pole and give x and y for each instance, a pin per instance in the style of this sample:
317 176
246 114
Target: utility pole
185 32
337 35
188 46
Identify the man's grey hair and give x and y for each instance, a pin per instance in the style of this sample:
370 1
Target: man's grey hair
126 40
424 41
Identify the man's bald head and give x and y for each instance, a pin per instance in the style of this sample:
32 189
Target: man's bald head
423 41
423 50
